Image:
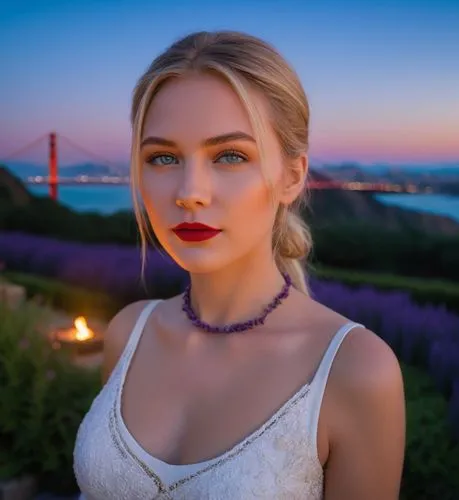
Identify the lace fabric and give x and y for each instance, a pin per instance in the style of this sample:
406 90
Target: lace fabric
278 461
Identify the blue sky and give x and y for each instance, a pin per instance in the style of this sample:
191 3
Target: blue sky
382 77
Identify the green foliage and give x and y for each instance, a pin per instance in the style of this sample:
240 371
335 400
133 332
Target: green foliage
361 247
65 297
431 468
46 217
44 398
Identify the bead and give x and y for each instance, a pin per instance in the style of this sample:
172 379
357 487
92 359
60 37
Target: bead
235 327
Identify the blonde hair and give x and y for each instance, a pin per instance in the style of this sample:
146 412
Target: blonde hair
246 63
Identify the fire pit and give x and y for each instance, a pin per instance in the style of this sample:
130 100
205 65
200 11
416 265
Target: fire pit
79 339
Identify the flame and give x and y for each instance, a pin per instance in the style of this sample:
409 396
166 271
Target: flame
82 330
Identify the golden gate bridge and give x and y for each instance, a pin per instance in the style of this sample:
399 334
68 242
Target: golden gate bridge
116 175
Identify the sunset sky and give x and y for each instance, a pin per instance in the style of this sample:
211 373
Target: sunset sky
382 77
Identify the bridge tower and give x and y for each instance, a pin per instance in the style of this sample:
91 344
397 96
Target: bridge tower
52 166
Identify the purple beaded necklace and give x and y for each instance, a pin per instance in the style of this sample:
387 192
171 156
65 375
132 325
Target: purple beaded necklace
236 327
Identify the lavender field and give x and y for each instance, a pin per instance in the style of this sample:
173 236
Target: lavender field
112 269
425 336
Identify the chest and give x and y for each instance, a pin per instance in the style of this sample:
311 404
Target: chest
275 463
193 409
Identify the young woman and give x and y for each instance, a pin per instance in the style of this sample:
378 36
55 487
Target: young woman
244 386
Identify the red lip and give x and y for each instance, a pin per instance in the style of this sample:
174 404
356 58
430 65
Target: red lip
195 231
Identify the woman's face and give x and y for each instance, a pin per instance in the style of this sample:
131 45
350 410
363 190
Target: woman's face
201 165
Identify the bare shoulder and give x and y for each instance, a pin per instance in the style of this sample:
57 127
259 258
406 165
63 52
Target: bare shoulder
367 436
365 365
362 352
117 334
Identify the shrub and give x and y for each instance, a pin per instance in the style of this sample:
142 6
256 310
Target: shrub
71 299
431 468
44 398
49 218
363 247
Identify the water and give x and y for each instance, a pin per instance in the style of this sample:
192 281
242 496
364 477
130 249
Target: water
109 199
105 199
437 204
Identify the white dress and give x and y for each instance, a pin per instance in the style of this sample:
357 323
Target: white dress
278 461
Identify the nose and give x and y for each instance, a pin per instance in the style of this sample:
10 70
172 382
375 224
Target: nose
195 187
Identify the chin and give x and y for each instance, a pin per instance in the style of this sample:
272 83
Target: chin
203 258
199 260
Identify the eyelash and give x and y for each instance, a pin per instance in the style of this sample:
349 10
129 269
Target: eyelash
226 152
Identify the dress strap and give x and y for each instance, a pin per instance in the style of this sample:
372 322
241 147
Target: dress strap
139 326
131 346
320 379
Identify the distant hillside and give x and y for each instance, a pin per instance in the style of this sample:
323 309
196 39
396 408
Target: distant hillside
330 207
12 191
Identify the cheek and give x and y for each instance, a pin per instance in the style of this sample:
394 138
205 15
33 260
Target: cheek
252 204
156 194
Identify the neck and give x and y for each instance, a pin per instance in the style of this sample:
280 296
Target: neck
237 293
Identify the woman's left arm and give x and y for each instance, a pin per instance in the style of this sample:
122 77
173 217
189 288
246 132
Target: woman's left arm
367 438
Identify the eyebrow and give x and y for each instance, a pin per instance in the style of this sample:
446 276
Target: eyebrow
211 141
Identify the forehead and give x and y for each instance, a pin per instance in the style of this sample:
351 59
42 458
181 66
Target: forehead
198 106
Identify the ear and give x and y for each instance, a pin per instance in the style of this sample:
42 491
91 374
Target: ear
294 179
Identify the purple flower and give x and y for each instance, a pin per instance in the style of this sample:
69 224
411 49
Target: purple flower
427 336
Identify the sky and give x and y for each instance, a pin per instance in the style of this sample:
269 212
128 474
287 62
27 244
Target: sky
382 78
